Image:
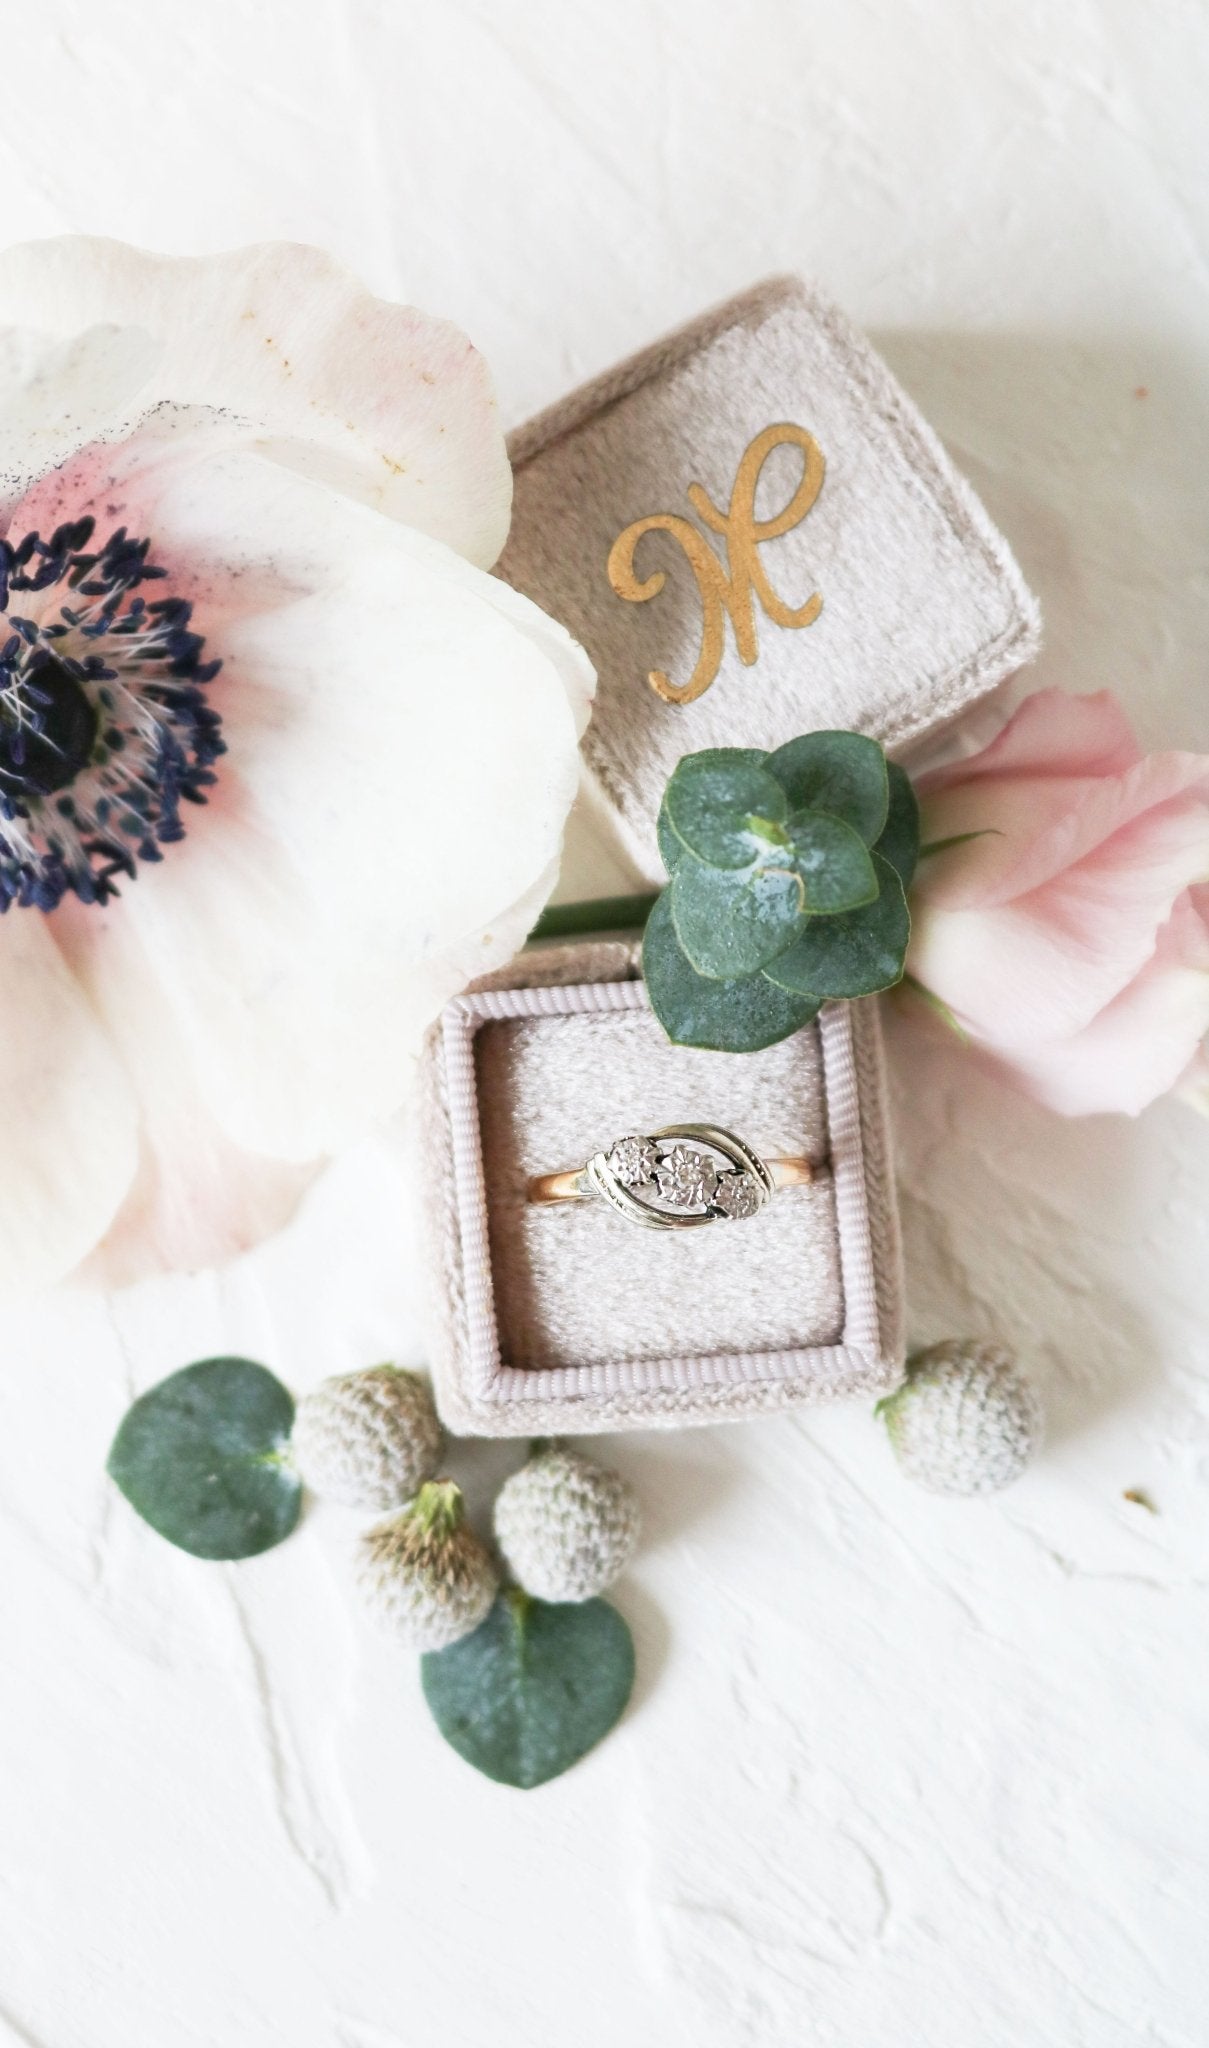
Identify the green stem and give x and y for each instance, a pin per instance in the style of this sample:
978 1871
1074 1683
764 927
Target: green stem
438 1507
606 914
519 1603
958 839
937 1004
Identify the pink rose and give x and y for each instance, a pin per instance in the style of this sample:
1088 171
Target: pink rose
1072 941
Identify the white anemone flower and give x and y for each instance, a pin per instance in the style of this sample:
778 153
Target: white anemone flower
281 767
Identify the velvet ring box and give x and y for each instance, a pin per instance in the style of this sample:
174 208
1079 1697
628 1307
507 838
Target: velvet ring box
569 1318
755 535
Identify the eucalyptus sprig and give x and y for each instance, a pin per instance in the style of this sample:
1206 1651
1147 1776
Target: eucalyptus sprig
789 873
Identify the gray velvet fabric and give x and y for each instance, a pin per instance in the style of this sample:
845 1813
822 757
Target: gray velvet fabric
923 607
574 1285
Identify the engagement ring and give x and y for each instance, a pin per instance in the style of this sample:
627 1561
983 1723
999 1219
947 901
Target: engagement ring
676 1178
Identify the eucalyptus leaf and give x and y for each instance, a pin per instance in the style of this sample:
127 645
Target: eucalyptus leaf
832 862
732 923
533 1689
899 843
724 807
671 847
853 955
742 1015
202 1457
842 773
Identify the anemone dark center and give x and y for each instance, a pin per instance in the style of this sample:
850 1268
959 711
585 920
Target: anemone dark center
66 735
106 731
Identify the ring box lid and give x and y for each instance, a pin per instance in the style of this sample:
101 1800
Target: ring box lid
921 608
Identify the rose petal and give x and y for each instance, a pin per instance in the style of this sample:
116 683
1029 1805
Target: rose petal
1036 832
66 1110
1054 736
382 402
1140 1044
1045 965
1193 1084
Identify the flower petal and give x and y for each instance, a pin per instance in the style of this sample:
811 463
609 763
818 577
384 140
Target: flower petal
402 760
382 402
1035 831
1053 735
56 393
1062 777
1141 1044
1193 1084
67 1112
196 1200
124 483
1046 964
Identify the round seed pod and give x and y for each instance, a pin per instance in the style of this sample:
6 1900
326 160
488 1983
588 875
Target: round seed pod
965 1421
369 1439
565 1525
424 1576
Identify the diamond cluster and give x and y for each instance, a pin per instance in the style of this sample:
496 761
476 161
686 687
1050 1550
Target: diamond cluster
683 1178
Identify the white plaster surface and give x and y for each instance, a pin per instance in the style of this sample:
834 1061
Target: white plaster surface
900 1773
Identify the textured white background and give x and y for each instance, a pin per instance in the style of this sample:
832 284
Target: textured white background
899 1772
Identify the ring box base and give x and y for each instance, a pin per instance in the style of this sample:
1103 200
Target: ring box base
568 1319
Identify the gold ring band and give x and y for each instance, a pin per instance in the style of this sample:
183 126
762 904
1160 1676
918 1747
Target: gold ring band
572 1184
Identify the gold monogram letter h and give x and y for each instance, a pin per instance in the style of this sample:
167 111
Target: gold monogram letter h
725 591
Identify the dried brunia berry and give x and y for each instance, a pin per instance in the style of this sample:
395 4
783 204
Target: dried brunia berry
368 1439
424 1575
566 1526
965 1420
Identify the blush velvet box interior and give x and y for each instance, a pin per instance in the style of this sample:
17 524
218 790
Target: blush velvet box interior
755 535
